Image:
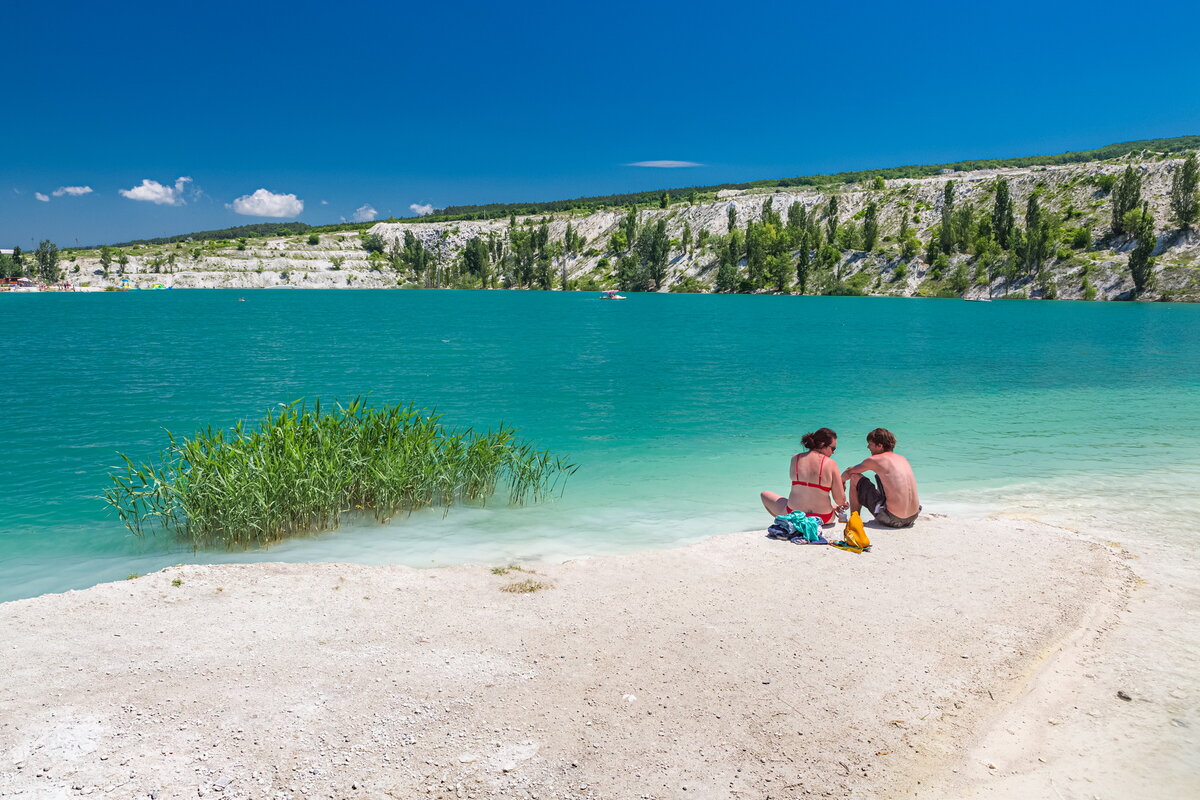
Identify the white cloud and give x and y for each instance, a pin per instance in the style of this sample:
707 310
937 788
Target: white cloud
74 191
154 192
665 164
421 209
268 204
41 197
365 213
324 202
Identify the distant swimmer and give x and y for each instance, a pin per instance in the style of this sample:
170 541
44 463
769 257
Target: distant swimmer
892 499
241 299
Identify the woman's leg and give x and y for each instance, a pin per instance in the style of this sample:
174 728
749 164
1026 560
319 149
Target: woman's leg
775 505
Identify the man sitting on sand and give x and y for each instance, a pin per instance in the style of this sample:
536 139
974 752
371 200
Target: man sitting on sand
892 499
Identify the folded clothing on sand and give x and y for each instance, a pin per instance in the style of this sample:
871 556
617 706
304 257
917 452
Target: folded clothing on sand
795 524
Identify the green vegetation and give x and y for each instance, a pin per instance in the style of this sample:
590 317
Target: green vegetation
955 235
46 260
510 568
874 176
1126 197
258 230
1140 224
526 586
300 470
1184 205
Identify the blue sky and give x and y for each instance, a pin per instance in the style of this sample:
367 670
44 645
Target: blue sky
362 107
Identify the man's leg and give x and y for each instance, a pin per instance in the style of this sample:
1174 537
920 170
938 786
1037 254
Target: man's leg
867 494
855 505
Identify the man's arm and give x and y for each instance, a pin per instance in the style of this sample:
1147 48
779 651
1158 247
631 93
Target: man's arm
858 469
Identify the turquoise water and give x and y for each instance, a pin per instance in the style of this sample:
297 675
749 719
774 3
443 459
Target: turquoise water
679 408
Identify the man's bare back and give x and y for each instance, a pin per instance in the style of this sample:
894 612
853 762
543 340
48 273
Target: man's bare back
895 502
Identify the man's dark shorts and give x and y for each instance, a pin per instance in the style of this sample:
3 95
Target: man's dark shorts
873 498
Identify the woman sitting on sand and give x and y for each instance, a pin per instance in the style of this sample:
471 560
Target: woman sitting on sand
814 476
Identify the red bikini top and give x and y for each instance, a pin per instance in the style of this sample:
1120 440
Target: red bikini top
820 469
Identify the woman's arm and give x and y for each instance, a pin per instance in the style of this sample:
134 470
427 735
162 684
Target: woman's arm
837 485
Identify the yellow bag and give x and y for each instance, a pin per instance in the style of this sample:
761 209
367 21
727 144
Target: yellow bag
856 534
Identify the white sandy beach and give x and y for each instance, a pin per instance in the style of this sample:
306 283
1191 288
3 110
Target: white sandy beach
951 661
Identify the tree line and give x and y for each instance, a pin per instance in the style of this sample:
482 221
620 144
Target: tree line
700 193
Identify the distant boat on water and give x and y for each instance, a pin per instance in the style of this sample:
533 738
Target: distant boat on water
611 294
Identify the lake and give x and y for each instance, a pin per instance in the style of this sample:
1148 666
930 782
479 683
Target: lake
678 408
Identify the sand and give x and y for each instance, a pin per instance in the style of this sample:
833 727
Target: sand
738 667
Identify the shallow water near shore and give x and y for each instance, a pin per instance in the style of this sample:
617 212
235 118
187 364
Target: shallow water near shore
679 409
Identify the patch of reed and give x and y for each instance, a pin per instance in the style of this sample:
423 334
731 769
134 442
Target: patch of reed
300 470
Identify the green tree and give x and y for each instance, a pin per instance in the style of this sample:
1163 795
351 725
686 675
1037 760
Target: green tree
828 256
374 243
1127 195
314 239
629 227
106 259
1002 215
417 258
963 227
1037 234
477 259
1141 264
664 201
523 256
654 249
831 218
18 261
727 276
572 241
735 248
946 238
769 215
46 257
959 282
849 236
803 261
758 250
732 214
797 218
1184 182
909 243
878 183
543 272
686 237
779 267
871 226
632 275
122 262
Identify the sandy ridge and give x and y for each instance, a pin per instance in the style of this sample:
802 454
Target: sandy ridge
736 667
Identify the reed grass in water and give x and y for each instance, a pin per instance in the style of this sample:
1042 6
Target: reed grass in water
300 470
